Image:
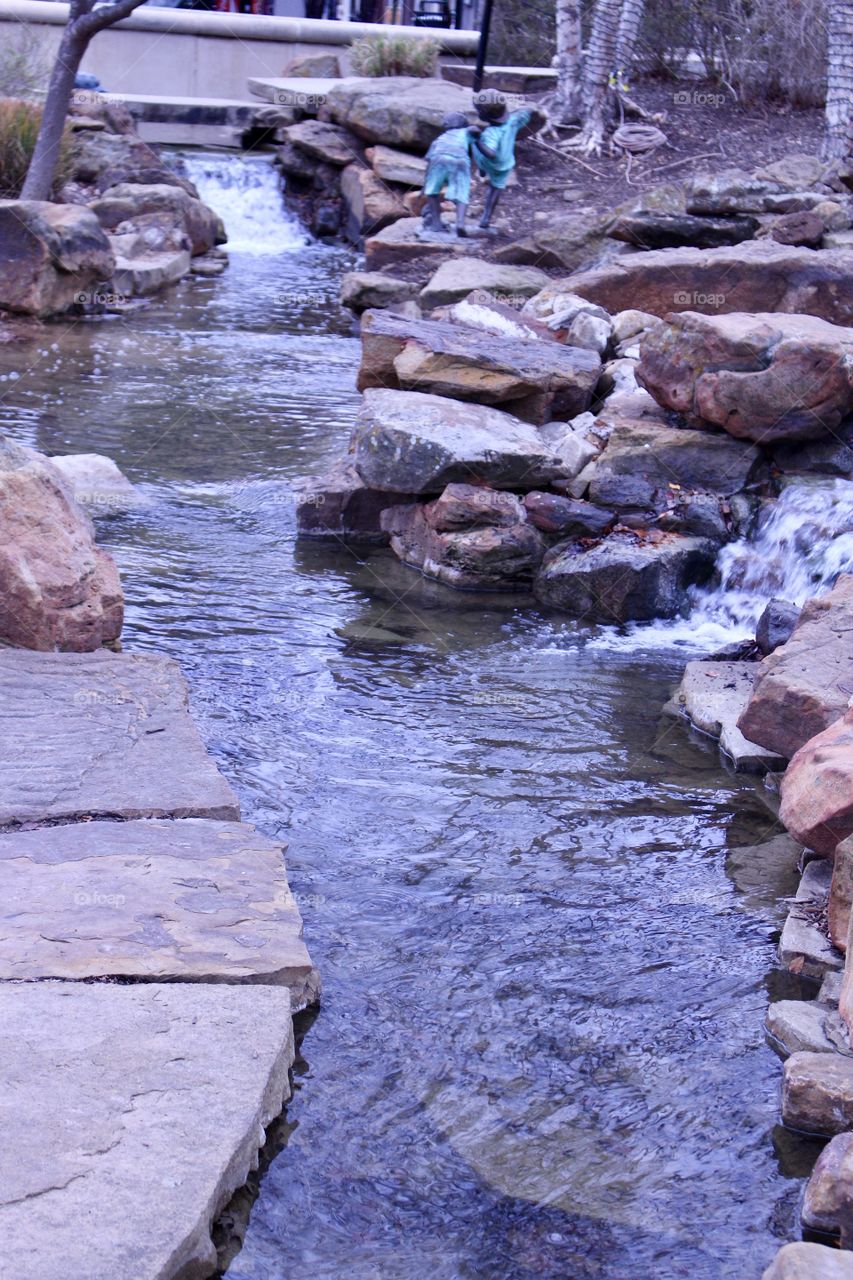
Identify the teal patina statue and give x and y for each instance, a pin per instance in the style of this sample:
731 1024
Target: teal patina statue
494 149
449 172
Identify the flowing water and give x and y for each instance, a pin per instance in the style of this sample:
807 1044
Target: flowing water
545 915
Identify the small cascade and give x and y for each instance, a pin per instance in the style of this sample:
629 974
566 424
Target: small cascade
246 193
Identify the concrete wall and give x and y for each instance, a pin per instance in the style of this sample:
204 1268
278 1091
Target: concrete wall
196 54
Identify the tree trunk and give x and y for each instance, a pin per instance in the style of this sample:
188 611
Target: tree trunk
568 61
838 139
600 65
39 180
629 29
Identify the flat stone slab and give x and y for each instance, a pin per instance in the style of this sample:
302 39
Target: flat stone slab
131 1115
797 1026
188 901
307 92
713 695
804 946
102 734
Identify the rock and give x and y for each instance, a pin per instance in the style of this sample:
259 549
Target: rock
97 483
105 735
828 1199
50 254
805 1026
566 517
795 172
834 216
647 464
326 218
631 324
817 789
817 1093
327 142
732 191
137 1110
124 207
702 515
766 876
767 378
804 947
798 229
801 1261
675 230
365 290
405 441
573 444
830 987
841 894
470 538
776 625
149 273
832 456
481 310
397 166
625 577
58 590
104 159
296 164
464 364
189 901
567 242
315 66
341 506
398 111
804 685
401 243
713 695
454 280
758 276
369 205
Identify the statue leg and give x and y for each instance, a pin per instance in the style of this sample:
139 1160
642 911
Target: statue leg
493 195
461 210
431 216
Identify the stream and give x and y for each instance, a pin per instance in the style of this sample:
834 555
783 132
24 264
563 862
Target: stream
545 915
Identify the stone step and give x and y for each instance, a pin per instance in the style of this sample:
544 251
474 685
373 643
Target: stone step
713 695
188 901
104 735
131 1115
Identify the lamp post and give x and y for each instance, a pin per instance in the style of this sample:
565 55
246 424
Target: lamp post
482 46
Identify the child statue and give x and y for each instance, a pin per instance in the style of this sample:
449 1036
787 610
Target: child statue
449 171
494 149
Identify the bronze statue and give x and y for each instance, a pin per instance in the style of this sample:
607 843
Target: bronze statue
494 148
449 172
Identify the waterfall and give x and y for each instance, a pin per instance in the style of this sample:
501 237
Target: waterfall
246 193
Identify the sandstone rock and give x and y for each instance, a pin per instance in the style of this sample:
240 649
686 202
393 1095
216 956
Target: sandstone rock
632 323
675 230
369 205
150 272
800 1261
828 1200
400 242
363 290
58 590
568 242
454 280
137 1110
841 894
713 694
758 276
464 364
340 506
399 111
703 515
315 66
470 538
765 377
733 191
625 577
104 159
831 456
49 255
795 172
103 734
406 441
566 517
805 228
776 625
482 310
804 946
804 685
327 142
397 166
805 1026
97 483
573 443
817 1093
817 789
122 207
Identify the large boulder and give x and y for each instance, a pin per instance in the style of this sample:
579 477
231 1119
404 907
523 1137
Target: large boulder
817 789
340 507
537 380
759 275
135 207
817 1093
768 378
804 686
58 590
568 243
734 191
409 442
454 280
401 242
472 538
828 1199
369 204
625 577
841 894
50 254
363 290
646 230
397 166
399 111
105 159
326 142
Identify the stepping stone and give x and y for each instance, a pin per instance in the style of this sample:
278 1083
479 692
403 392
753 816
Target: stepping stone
713 695
131 1115
806 1026
102 734
189 901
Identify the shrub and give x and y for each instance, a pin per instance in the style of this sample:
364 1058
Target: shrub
19 126
24 64
382 55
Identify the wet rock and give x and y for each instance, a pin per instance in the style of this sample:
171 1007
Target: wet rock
398 111
50 254
817 1093
776 625
625 577
566 517
766 875
58 590
674 230
122 208
406 441
699 514
801 1261
369 205
805 1026
832 456
804 685
397 166
364 290
804 946
471 538
828 1199
326 219
757 276
817 789
765 377
148 273
841 894
138 1110
326 142
465 364
340 506
454 280
97 483
713 695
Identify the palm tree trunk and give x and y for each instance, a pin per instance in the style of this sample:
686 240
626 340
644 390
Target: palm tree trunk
629 28
600 65
568 61
838 139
